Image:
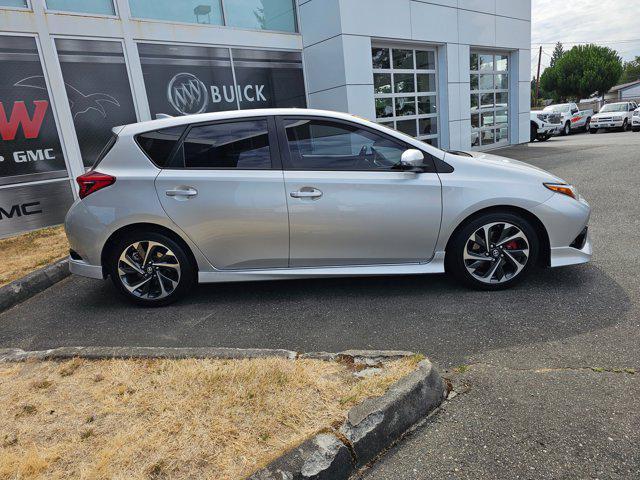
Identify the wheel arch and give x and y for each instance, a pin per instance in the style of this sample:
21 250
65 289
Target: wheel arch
544 258
146 227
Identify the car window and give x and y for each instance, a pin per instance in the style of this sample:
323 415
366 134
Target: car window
242 145
159 144
328 145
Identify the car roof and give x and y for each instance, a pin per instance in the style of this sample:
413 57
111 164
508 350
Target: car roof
140 127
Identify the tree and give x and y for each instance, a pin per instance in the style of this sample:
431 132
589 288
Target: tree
631 71
581 71
558 51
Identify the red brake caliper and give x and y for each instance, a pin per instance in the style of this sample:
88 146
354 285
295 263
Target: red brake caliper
512 245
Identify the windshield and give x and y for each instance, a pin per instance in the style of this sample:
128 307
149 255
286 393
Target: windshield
614 107
557 108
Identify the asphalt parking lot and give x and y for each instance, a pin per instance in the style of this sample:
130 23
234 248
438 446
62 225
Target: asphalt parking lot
547 389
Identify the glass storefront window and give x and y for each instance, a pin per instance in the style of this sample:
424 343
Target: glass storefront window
100 7
184 80
489 82
261 14
207 12
98 89
14 3
405 90
30 148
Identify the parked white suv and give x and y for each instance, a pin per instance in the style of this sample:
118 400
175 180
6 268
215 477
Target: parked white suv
572 118
614 115
635 120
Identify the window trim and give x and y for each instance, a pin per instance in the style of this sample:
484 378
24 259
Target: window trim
274 149
286 151
115 15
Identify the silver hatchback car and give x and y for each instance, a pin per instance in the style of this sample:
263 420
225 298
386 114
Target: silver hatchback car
290 193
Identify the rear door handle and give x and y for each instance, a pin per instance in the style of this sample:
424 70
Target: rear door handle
306 192
182 192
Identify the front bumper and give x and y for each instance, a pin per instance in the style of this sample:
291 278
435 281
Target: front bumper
549 129
611 124
565 219
563 256
635 122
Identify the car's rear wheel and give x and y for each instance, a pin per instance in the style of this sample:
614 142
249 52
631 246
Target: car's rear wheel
493 252
150 268
567 129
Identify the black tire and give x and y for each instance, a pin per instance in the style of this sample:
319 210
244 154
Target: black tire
625 125
636 129
593 131
186 278
534 133
543 138
566 130
455 263
587 125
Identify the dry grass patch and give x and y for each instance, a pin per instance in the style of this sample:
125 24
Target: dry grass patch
28 252
135 419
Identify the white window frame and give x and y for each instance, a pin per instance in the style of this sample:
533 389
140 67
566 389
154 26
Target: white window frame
479 92
415 71
116 14
28 8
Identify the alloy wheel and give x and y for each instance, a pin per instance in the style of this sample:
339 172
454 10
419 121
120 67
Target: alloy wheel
496 252
149 270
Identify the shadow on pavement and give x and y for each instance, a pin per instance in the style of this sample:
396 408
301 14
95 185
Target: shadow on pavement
430 314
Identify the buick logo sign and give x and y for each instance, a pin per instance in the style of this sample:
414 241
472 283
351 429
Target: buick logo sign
187 94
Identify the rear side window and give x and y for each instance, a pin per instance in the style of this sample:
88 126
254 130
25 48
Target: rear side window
106 149
240 145
159 144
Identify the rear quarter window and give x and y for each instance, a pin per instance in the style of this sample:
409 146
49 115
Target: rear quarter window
158 145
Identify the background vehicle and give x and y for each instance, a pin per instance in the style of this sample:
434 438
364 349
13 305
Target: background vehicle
292 193
572 118
544 125
614 115
635 120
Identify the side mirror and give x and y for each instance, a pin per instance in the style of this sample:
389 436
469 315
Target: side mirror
412 160
574 111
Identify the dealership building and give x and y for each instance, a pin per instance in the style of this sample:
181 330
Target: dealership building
454 73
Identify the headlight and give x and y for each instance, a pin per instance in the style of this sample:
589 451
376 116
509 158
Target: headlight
563 188
542 117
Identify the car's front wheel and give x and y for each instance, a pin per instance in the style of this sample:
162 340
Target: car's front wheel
150 268
493 252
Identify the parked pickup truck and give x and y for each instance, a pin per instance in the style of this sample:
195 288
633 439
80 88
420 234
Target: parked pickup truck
544 125
614 115
635 123
572 118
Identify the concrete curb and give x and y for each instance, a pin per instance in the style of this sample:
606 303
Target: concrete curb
35 282
369 429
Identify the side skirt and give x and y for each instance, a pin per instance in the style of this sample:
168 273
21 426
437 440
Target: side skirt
436 265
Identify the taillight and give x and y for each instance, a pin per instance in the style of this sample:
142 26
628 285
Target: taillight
93 181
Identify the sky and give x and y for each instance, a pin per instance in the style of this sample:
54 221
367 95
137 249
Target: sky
603 22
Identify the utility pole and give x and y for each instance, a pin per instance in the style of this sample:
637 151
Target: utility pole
538 76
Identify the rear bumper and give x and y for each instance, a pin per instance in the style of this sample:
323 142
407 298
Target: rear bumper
79 267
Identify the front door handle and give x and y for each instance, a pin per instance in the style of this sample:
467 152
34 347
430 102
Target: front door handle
182 192
306 192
